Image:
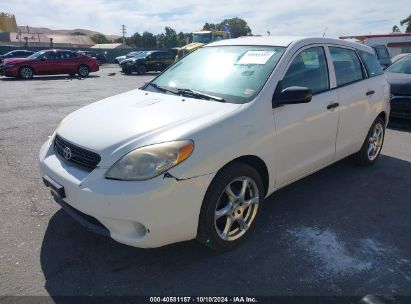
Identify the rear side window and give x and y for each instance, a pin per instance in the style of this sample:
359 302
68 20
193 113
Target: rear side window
347 66
381 51
371 63
308 69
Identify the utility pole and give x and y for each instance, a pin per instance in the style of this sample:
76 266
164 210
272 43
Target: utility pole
124 32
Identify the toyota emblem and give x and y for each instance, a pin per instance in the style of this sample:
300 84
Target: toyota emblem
67 153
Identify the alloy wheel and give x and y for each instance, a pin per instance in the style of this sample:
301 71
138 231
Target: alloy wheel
26 72
236 208
375 141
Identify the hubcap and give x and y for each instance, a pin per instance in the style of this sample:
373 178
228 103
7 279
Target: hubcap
83 71
26 72
236 208
375 141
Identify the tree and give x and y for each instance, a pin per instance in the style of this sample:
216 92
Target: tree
170 37
236 26
396 29
407 22
135 40
149 40
99 38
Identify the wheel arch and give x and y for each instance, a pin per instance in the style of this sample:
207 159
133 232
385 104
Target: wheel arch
29 66
384 116
258 164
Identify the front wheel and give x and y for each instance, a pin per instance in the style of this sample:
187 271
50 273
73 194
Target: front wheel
83 71
26 72
372 145
230 206
141 69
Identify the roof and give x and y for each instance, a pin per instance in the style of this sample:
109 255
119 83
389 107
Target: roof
363 37
285 41
110 46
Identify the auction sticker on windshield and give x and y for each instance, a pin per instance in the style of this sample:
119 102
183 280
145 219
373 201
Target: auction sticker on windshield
256 57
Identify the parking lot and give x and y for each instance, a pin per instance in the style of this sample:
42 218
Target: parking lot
345 230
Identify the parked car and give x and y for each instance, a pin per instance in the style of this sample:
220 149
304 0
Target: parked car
119 59
398 57
49 62
101 57
148 61
193 153
399 77
383 55
16 54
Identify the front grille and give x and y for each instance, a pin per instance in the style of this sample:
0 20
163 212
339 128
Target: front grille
81 157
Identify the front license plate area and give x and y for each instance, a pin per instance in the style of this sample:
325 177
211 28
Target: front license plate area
56 189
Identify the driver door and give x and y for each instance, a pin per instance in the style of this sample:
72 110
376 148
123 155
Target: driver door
306 133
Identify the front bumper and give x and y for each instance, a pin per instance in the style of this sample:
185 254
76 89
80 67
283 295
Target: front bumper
143 214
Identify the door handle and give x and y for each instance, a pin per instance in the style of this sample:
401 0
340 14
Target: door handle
332 105
370 93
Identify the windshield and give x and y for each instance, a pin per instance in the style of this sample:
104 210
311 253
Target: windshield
36 55
234 73
403 65
132 54
202 37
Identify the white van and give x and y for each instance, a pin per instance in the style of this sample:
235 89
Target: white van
193 153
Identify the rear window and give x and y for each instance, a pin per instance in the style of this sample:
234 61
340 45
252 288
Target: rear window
371 64
347 66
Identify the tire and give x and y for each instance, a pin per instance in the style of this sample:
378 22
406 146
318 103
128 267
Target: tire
217 217
141 69
372 146
26 72
83 71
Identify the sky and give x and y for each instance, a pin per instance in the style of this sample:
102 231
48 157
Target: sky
285 17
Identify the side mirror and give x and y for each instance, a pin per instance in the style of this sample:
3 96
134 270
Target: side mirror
42 58
292 95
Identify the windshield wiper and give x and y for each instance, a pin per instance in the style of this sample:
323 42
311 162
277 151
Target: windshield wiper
175 92
199 94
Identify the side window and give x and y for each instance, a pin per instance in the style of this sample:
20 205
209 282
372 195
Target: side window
347 66
50 55
308 69
381 51
371 64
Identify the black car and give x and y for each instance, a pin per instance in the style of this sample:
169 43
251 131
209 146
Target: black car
399 77
148 61
16 54
101 57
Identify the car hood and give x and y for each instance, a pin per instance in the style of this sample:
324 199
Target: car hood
15 60
400 83
136 118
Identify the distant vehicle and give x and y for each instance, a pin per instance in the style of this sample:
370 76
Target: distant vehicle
101 57
49 62
119 59
16 54
399 77
148 61
200 39
398 57
382 54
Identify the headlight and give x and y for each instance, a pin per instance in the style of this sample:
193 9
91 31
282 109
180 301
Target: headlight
9 65
150 161
129 62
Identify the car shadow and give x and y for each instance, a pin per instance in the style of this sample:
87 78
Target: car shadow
345 210
44 78
400 124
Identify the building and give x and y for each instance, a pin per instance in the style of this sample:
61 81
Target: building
7 23
396 43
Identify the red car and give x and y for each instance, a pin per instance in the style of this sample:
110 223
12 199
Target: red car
49 62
